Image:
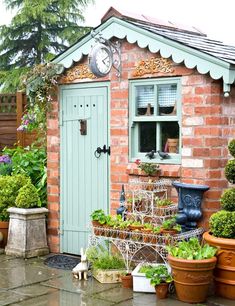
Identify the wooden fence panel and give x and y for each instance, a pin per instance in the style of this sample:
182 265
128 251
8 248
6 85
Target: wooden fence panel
12 108
7 120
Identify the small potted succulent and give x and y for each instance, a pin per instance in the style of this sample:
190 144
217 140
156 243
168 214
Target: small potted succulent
192 265
160 278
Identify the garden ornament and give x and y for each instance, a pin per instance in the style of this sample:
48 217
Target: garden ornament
163 155
150 154
80 270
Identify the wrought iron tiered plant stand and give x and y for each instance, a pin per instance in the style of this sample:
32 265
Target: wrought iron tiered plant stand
138 246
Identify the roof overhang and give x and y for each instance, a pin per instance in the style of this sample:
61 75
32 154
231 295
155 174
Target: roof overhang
121 29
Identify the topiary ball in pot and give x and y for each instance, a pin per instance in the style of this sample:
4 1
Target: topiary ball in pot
222 224
28 197
228 199
231 147
230 171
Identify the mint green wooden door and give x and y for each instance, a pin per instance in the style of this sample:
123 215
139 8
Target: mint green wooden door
84 177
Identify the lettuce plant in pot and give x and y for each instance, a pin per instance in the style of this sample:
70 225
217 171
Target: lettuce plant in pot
160 278
27 228
222 235
192 265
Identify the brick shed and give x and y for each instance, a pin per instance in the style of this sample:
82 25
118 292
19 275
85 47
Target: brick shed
174 83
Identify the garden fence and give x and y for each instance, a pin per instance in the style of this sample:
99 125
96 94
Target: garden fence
12 107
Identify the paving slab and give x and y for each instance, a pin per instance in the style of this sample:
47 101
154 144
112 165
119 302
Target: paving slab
116 295
8 297
71 284
63 298
33 290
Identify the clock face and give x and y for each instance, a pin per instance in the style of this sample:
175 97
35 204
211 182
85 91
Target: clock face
100 60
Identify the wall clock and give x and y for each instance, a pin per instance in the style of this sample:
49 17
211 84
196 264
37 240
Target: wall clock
100 60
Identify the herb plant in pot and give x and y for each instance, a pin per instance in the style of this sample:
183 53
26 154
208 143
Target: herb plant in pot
27 228
127 280
192 267
160 278
222 235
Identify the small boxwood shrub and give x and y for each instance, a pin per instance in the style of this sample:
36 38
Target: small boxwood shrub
222 224
231 147
230 171
9 189
228 199
28 197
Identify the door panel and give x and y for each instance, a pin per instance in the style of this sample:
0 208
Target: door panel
84 178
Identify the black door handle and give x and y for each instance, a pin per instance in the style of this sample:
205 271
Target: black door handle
98 151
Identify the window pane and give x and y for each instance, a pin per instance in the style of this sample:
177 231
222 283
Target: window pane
170 137
147 136
145 100
167 99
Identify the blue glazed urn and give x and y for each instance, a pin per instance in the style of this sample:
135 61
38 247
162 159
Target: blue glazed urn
189 204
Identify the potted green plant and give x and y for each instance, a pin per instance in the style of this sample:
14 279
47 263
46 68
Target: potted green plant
27 230
160 278
163 202
192 265
98 218
147 230
106 267
169 226
222 235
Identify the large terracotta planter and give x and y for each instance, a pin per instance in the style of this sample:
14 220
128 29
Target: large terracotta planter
224 273
4 230
192 278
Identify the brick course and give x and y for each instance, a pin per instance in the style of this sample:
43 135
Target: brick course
207 119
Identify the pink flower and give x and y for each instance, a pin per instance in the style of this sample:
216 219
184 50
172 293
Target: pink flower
138 161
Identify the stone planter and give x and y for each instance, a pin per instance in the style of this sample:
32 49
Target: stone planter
108 276
27 232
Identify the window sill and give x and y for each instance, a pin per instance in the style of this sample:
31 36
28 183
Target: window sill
164 171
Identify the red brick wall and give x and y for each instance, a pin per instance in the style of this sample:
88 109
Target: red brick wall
207 120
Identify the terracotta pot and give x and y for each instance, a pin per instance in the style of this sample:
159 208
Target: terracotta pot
146 236
192 278
4 230
127 281
224 274
162 290
172 144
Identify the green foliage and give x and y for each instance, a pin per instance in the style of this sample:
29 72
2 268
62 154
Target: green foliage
192 250
144 268
98 215
231 147
101 258
9 189
163 202
31 161
228 199
5 169
169 224
222 224
148 168
230 171
158 274
39 30
28 197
